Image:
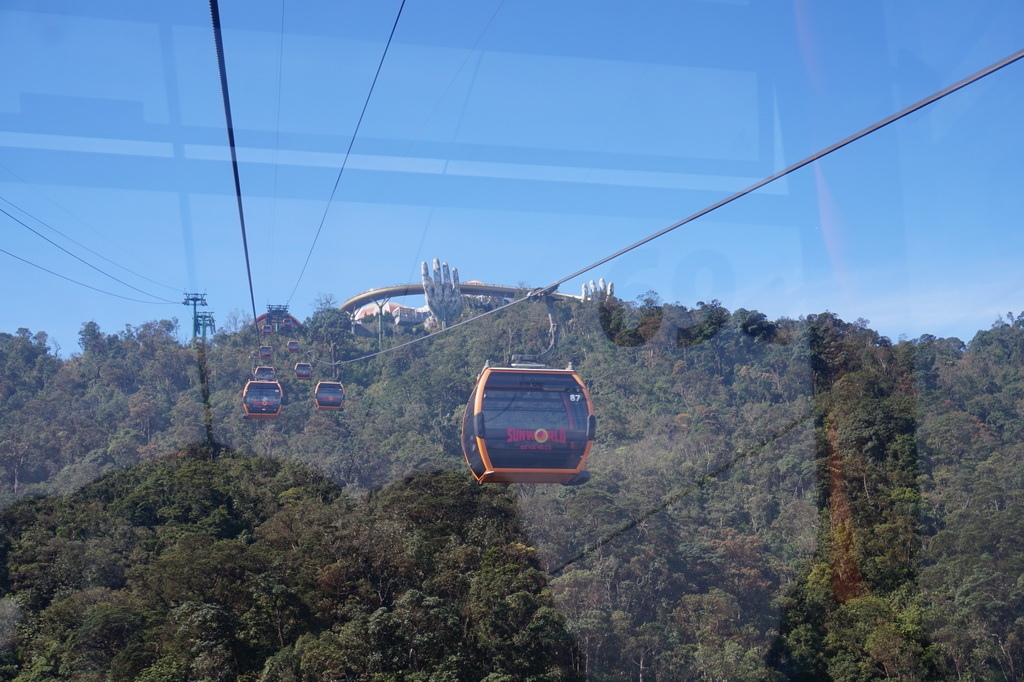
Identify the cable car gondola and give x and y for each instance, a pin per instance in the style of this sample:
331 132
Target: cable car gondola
329 395
262 399
266 353
528 425
293 346
267 329
303 370
264 374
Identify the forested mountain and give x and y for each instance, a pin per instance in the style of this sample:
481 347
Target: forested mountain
245 568
788 499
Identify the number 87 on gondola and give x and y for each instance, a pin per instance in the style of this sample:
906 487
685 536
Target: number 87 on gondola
528 426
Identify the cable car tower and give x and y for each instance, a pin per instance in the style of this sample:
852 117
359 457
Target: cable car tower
201 321
276 315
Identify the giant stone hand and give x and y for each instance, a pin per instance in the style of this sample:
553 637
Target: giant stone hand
597 292
443 293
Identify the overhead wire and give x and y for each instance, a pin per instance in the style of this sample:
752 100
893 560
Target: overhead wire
201 347
222 70
906 111
83 246
81 284
988 70
277 144
82 260
348 152
437 105
51 227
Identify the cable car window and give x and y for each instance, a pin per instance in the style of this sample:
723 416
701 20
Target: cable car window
534 422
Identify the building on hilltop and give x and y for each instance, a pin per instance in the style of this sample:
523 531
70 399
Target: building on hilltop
402 315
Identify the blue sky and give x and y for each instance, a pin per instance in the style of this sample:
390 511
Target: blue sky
519 141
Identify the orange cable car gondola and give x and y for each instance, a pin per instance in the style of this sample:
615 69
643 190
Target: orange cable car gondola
262 399
264 374
293 346
329 395
266 353
267 329
528 425
303 370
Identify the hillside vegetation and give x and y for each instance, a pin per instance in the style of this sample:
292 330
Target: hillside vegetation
789 499
245 568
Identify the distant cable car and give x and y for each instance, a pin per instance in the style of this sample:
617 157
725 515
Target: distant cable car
286 324
267 329
329 395
293 346
528 425
303 370
266 353
264 374
262 399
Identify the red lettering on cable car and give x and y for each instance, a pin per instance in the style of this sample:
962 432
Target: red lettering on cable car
538 436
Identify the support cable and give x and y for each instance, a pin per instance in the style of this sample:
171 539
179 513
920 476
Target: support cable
551 288
988 70
348 151
85 262
222 70
85 224
83 246
81 284
277 144
437 105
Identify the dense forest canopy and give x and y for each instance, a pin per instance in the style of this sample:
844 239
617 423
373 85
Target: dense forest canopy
771 499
